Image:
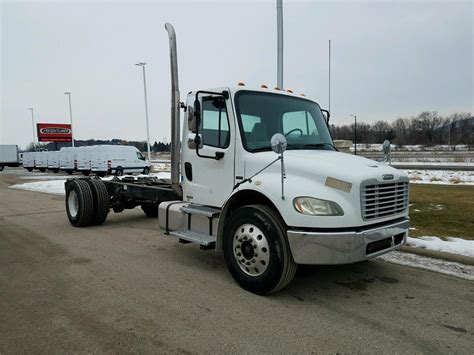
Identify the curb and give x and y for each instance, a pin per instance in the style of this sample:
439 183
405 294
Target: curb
462 259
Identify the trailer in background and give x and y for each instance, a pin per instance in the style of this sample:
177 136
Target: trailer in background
29 159
53 161
9 155
68 159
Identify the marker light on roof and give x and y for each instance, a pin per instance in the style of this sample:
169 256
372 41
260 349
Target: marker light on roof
277 88
290 91
263 86
240 83
303 95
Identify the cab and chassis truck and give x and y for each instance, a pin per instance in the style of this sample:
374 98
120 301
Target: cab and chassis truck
256 176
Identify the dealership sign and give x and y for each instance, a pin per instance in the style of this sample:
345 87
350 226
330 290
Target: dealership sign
54 132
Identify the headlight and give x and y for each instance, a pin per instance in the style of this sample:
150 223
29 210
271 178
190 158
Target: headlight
317 207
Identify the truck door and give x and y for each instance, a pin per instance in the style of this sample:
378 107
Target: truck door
209 179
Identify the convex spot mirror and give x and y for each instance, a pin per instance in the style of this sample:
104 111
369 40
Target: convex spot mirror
386 147
278 143
194 141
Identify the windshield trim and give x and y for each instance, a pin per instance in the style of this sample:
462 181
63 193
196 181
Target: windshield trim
265 149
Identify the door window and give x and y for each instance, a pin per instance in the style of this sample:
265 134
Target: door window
214 126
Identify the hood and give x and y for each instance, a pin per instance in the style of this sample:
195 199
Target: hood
319 164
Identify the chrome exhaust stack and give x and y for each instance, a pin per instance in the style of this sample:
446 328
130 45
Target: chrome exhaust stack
175 106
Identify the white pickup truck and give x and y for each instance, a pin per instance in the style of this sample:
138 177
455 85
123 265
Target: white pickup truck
256 176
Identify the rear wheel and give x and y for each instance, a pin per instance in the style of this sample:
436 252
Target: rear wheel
79 203
150 210
42 169
86 172
55 171
101 173
69 172
119 171
256 250
29 169
100 197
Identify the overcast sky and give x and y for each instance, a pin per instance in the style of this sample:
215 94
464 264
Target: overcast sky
389 59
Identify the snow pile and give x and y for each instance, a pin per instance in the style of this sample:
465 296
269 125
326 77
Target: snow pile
55 187
443 177
426 263
450 245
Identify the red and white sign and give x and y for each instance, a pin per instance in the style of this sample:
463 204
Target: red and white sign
54 132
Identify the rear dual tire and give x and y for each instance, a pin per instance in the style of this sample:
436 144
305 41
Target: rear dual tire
257 251
87 202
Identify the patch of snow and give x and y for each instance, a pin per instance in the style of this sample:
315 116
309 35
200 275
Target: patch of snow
55 187
442 177
436 265
450 245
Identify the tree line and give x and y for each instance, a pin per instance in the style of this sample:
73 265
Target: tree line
428 128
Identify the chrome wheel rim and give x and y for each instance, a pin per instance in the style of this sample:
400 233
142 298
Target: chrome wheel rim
251 251
73 203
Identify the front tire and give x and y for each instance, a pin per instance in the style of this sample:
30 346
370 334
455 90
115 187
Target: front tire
119 171
256 250
79 203
146 171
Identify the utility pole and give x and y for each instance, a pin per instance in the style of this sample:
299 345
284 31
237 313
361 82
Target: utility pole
355 134
141 64
70 116
280 43
329 88
33 122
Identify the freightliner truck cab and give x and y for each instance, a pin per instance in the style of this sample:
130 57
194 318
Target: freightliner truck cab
255 175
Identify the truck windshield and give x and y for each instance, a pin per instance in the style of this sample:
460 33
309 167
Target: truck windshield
261 115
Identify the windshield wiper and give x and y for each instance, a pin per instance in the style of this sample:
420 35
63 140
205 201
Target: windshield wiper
320 145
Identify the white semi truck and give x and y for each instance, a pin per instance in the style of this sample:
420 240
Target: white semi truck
256 176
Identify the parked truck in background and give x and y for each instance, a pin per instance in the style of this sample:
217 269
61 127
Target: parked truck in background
9 156
256 176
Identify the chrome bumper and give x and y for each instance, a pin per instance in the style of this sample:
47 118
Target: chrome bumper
346 247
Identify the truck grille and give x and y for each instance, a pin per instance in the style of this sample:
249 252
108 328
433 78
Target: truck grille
384 200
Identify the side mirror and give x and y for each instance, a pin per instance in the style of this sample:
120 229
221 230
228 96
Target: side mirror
197 114
278 143
326 115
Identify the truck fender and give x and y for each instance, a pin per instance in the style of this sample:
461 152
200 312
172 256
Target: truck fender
239 198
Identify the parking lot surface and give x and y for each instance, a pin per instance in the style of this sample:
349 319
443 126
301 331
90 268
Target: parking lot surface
126 287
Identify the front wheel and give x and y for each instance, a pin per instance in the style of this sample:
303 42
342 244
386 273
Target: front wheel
146 171
256 250
119 171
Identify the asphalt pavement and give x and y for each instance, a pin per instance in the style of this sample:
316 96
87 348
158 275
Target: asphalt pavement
126 287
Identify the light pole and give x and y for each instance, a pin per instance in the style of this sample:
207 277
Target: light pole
279 4
355 134
33 122
141 64
70 116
